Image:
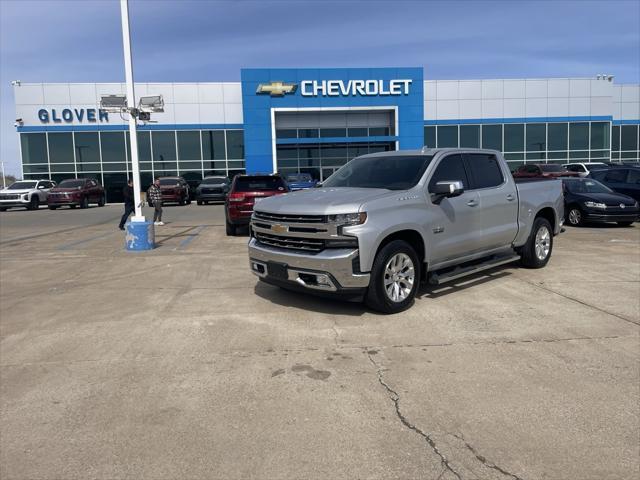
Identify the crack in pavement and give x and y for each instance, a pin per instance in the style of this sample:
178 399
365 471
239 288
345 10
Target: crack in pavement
482 459
395 398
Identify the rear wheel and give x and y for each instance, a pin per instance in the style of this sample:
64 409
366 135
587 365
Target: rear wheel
84 203
537 251
52 207
199 202
181 201
3 209
575 216
625 224
394 278
34 204
72 206
231 229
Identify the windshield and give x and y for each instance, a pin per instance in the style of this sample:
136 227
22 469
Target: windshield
22 185
71 183
393 172
299 177
585 186
258 184
550 167
215 180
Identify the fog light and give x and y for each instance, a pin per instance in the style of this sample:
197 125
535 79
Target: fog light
323 280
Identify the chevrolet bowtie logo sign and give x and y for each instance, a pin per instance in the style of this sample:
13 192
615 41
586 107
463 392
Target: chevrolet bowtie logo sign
277 89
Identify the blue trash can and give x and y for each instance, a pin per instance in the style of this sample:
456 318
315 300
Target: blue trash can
140 236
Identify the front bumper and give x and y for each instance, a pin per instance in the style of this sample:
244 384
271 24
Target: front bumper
18 202
591 216
60 201
334 267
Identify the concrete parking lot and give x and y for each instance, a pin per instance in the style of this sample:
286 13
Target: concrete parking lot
177 363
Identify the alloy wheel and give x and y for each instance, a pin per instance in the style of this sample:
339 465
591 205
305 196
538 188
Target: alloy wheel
543 243
399 276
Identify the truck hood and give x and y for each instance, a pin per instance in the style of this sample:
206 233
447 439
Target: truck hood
321 201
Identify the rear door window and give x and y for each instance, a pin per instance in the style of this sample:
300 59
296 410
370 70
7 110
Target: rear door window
634 176
484 170
450 168
257 184
616 176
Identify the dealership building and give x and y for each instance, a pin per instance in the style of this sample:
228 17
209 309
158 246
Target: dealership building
316 120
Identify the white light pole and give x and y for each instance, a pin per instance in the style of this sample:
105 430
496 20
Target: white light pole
131 104
4 183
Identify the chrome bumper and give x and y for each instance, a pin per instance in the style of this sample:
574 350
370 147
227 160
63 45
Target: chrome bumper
334 264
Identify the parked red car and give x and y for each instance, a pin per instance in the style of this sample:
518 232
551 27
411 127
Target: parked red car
543 170
242 196
175 190
76 191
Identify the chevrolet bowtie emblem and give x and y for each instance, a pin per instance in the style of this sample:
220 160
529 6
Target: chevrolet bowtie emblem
277 89
277 228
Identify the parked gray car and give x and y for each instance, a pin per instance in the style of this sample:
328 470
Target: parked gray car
29 194
385 221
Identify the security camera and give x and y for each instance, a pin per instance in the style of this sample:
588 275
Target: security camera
16 83
18 122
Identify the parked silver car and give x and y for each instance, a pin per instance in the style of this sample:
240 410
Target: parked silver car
385 221
29 194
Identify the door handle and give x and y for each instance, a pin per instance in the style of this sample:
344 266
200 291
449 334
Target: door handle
472 203
510 198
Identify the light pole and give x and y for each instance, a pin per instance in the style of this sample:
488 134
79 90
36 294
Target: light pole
4 183
131 100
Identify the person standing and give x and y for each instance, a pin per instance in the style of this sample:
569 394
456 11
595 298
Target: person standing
154 197
129 205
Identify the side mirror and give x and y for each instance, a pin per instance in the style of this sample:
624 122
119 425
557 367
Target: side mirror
446 189
41 187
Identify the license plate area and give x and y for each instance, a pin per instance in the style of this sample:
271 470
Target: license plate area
277 270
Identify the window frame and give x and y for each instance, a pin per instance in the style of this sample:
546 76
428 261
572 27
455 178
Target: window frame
437 165
472 180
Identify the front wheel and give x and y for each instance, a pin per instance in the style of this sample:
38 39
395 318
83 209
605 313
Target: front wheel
537 251
181 201
84 203
575 217
34 204
625 224
395 278
3 209
101 201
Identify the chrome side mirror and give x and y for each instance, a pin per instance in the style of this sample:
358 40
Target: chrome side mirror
447 189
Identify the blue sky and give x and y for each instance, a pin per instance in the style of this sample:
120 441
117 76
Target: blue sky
80 41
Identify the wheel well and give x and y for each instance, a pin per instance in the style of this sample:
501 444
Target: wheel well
548 214
412 237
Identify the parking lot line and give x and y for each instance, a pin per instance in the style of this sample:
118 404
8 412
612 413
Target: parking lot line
184 243
69 246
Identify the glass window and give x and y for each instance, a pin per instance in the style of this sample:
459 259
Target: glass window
61 148
235 144
88 167
470 136
188 145
189 166
447 136
450 168
87 147
27 168
144 146
492 137
628 138
557 133
634 176
484 170
600 135
164 146
112 146
34 148
514 137
615 137
114 167
379 131
286 152
213 145
430 137
333 151
616 176
357 132
536 137
286 133
114 184
578 136
333 132
63 167
308 133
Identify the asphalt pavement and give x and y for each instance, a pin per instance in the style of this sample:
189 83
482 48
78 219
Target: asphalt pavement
178 363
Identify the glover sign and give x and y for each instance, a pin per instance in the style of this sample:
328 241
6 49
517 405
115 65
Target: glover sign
365 88
69 115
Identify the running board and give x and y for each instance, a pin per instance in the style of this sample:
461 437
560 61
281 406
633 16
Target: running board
458 272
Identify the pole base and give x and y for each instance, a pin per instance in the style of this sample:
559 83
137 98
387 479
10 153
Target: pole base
140 236
135 218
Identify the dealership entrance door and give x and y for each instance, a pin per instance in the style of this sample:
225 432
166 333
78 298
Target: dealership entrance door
320 142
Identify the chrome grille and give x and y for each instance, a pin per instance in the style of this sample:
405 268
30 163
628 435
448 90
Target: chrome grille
9 197
276 217
291 243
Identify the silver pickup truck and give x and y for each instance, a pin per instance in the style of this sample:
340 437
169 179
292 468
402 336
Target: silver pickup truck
384 222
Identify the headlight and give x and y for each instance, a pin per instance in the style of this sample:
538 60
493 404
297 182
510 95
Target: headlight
345 219
594 205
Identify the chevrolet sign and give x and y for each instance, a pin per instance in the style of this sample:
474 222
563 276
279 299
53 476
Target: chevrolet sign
277 89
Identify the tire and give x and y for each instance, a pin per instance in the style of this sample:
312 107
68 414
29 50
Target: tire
72 206
34 204
575 217
231 229
537 251
188 200
84 203
625 224
52 207
397 257
181 201
101 201
199 202
3 209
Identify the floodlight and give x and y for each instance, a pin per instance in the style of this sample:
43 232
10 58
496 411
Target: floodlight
113 103
152 103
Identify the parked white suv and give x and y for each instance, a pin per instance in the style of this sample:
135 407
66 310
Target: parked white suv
583 169
25 193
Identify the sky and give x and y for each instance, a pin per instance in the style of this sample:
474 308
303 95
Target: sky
200 40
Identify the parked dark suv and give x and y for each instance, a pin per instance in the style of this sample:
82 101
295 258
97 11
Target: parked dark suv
625 180
245 191
175 190
76 192
212 189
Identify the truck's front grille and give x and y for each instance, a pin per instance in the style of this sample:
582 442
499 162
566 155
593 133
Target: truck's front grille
9 197
276 217
291 243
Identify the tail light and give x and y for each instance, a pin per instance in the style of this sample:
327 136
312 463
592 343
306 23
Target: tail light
236 197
